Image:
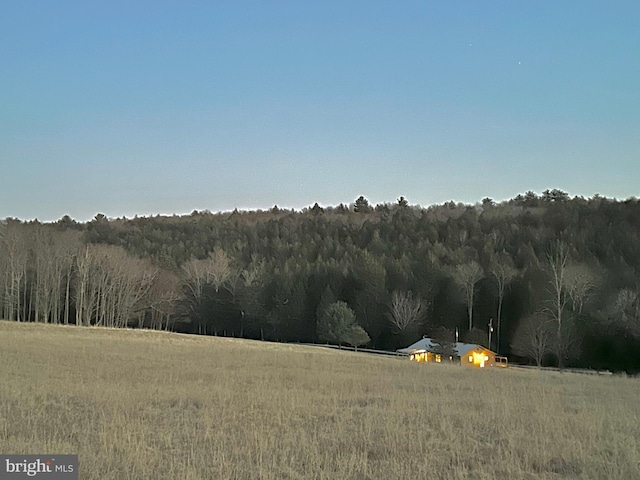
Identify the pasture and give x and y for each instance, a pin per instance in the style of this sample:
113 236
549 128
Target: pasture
152 405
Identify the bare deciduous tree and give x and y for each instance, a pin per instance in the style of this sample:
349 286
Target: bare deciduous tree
623 310
534 337
163 295
215 271
628 304
558 262
44 275
504 272
53 254
14 257
83 267
196 276
111 286
406 311
219 268
467 275
70 243
578 282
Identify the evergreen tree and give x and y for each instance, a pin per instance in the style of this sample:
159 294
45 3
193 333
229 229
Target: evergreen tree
361 205
338 325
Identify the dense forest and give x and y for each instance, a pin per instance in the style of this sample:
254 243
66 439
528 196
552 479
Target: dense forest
542 278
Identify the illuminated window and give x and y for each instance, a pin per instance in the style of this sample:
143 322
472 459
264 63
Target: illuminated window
470 358
438 358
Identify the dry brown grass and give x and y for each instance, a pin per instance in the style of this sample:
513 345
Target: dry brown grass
150 405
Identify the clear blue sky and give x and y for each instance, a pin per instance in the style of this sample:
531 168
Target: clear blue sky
149 107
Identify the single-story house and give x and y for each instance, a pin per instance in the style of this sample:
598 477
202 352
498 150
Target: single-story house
468 354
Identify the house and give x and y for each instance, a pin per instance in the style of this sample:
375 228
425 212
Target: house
468 354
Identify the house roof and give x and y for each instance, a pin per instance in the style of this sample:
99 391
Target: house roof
422 344
430 345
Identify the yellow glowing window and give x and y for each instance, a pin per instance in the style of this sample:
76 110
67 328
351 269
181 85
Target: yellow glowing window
470 358
438 358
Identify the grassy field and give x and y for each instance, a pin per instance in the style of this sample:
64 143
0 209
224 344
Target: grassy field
152 405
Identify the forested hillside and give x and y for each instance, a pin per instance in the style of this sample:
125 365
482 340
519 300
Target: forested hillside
557 278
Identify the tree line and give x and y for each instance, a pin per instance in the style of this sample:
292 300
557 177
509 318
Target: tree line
543 278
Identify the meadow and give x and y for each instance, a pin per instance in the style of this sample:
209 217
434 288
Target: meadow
139 404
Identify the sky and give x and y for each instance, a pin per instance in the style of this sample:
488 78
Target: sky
151 107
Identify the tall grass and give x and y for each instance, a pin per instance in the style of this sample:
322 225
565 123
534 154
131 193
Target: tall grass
150 405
